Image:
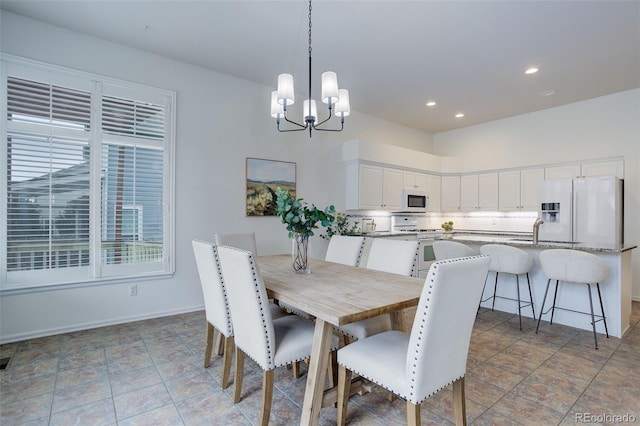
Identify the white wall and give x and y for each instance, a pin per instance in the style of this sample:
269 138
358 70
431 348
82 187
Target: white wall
607 126
221 120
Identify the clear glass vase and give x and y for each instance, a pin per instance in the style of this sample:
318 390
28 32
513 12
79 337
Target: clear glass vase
300 253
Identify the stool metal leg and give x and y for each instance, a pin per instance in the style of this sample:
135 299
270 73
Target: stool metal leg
544 299
553 307
593 319
519 305
495 286
604 318
531 297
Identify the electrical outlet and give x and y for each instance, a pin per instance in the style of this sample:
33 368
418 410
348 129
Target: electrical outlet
133 290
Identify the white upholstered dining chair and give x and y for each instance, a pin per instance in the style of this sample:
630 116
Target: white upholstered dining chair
444 249
247 241
216 306
271 343
345 249
394 256
415 366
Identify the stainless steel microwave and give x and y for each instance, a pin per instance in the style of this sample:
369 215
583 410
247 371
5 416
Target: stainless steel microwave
414 201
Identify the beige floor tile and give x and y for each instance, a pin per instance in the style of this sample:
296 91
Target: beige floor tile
151 372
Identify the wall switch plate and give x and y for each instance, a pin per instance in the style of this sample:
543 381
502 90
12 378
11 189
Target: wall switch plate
133 290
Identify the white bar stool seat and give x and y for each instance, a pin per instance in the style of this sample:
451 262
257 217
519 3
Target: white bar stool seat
510 260
443 249
574 266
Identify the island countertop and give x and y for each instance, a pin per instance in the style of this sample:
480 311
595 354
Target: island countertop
527 242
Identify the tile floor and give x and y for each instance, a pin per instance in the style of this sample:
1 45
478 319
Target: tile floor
150 373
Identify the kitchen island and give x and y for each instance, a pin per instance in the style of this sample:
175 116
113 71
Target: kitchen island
616 290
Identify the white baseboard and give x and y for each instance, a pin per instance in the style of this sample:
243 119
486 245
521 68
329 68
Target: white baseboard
94 324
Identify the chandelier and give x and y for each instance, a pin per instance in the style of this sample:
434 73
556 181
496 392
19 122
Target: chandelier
335 98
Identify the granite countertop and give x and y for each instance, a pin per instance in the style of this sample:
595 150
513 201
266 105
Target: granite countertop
512 238
526 241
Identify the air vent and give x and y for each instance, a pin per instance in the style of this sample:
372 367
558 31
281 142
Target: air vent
4 363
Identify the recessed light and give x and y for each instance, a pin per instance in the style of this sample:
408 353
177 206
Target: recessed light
431 103
547 93
459 115
531 70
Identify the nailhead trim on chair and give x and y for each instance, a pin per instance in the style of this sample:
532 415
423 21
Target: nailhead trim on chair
415 261
360 252
433 271
432 275
264 323
224 289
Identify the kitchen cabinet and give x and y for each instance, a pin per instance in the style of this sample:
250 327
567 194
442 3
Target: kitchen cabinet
603 168
562 172
450 193
469 192
479 192
433 191
518 189
415 181
370 187
588 169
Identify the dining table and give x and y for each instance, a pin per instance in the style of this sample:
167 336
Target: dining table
334 295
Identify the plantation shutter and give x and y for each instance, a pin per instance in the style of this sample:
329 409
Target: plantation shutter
48 129
133 182
87 178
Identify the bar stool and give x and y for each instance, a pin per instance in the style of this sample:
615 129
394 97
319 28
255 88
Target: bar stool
444 249
574 266
510 260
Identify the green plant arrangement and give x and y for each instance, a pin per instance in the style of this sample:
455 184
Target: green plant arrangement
301 219
447 226
340 226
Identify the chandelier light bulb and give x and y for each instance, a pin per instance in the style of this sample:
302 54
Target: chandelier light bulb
314 110
343 109
329 87
277 110
285 89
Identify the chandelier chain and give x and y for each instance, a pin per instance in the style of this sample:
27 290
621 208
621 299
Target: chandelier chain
309 27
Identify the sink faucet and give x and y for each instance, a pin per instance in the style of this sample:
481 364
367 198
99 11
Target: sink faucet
536 229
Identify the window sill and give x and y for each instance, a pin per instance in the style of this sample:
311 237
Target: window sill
84 284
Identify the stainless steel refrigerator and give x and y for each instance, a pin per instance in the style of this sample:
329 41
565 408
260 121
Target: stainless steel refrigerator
582 210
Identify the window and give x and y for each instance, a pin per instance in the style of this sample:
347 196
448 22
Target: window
87 178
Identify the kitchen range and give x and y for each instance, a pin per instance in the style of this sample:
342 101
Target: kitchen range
406 227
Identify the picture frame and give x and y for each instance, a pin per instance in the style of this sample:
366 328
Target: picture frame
263 178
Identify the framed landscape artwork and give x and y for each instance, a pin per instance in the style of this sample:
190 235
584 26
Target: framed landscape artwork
263 179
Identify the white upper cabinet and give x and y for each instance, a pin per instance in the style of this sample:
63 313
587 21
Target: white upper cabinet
433 191
450 194
392 189
469 192
415 181
518 189
529 188
588 169
488 191
562 172
371 187
479 192
509 191
603 168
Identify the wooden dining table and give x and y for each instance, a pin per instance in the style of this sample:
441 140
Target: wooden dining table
335 295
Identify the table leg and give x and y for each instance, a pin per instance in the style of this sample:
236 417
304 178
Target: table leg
317 373
397 320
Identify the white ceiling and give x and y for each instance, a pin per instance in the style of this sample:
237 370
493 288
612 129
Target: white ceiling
394 55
